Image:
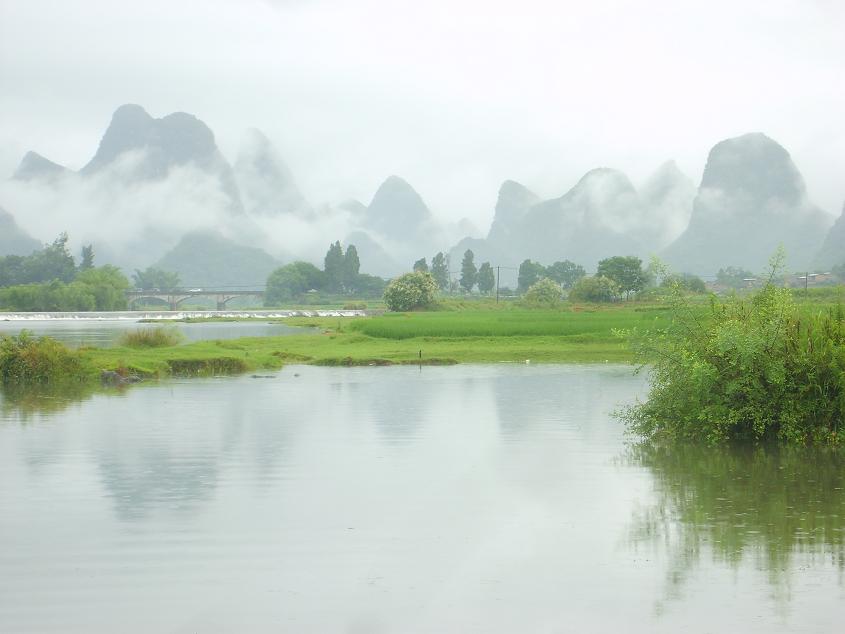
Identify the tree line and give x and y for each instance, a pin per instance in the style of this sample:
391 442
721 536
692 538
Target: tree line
340 275
50 280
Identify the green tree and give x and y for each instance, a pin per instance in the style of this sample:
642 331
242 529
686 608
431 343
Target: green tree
486 278
733 276
369 286
108 286
410 291
685 281
752 369
529 273
12 270
351 267
544 293
626 271
421 265
594 289
469 274
53 262
440 270
333 267
565 273
87 258
155 278
290 281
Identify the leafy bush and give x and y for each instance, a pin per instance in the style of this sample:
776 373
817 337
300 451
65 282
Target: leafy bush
151 338
28 359
410 291
686 281
594 289
754 369
545 294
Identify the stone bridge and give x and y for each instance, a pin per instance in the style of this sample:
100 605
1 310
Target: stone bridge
176 296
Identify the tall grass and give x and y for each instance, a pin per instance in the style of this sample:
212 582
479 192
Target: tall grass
758 368
511 323
28 359
151 338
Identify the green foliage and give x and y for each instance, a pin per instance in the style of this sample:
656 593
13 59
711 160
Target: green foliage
53 262
529 273
469 274
410 291
333 267
545 293
421 265
28 359
155 278
351 266
594 289
290 281
486 278
733 276
87 262
625 271
684 281
151 338
107 284
440 270
753 369
565 273
95 289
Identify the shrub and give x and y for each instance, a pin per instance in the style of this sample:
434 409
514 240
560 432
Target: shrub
544 293
754 369
151 338
410 291
594 289
28 359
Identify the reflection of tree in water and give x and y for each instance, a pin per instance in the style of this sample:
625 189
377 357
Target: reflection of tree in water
765 503
157 478
25 401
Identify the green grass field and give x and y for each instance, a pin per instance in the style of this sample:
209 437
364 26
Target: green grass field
572 334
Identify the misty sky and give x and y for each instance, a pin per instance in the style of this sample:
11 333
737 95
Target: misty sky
455 96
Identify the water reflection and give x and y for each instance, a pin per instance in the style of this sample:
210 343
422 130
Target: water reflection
769 505
27 402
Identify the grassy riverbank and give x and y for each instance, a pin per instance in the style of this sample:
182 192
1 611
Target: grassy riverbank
471 333
585 335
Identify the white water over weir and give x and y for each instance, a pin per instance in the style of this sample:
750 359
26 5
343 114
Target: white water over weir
174 315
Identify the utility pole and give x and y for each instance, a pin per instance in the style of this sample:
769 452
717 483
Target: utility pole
498 272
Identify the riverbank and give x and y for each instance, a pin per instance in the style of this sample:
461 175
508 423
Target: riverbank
512 336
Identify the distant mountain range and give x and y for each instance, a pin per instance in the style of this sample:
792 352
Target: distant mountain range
13 239
751 198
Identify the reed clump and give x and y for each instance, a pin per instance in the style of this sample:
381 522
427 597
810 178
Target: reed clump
151 338
25 358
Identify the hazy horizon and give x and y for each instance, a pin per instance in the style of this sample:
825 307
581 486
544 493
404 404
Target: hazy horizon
455 98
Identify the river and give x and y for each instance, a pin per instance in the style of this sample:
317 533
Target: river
488 498
104 329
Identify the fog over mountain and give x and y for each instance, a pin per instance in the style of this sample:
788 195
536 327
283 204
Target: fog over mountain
752 199
832 252
159 190
33 166
13 240
267 185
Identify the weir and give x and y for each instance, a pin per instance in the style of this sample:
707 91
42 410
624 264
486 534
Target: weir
175 297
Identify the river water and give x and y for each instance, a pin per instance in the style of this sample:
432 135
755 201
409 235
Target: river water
105 329
497 498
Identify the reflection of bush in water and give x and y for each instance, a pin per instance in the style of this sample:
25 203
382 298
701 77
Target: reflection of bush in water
28 400
771 502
